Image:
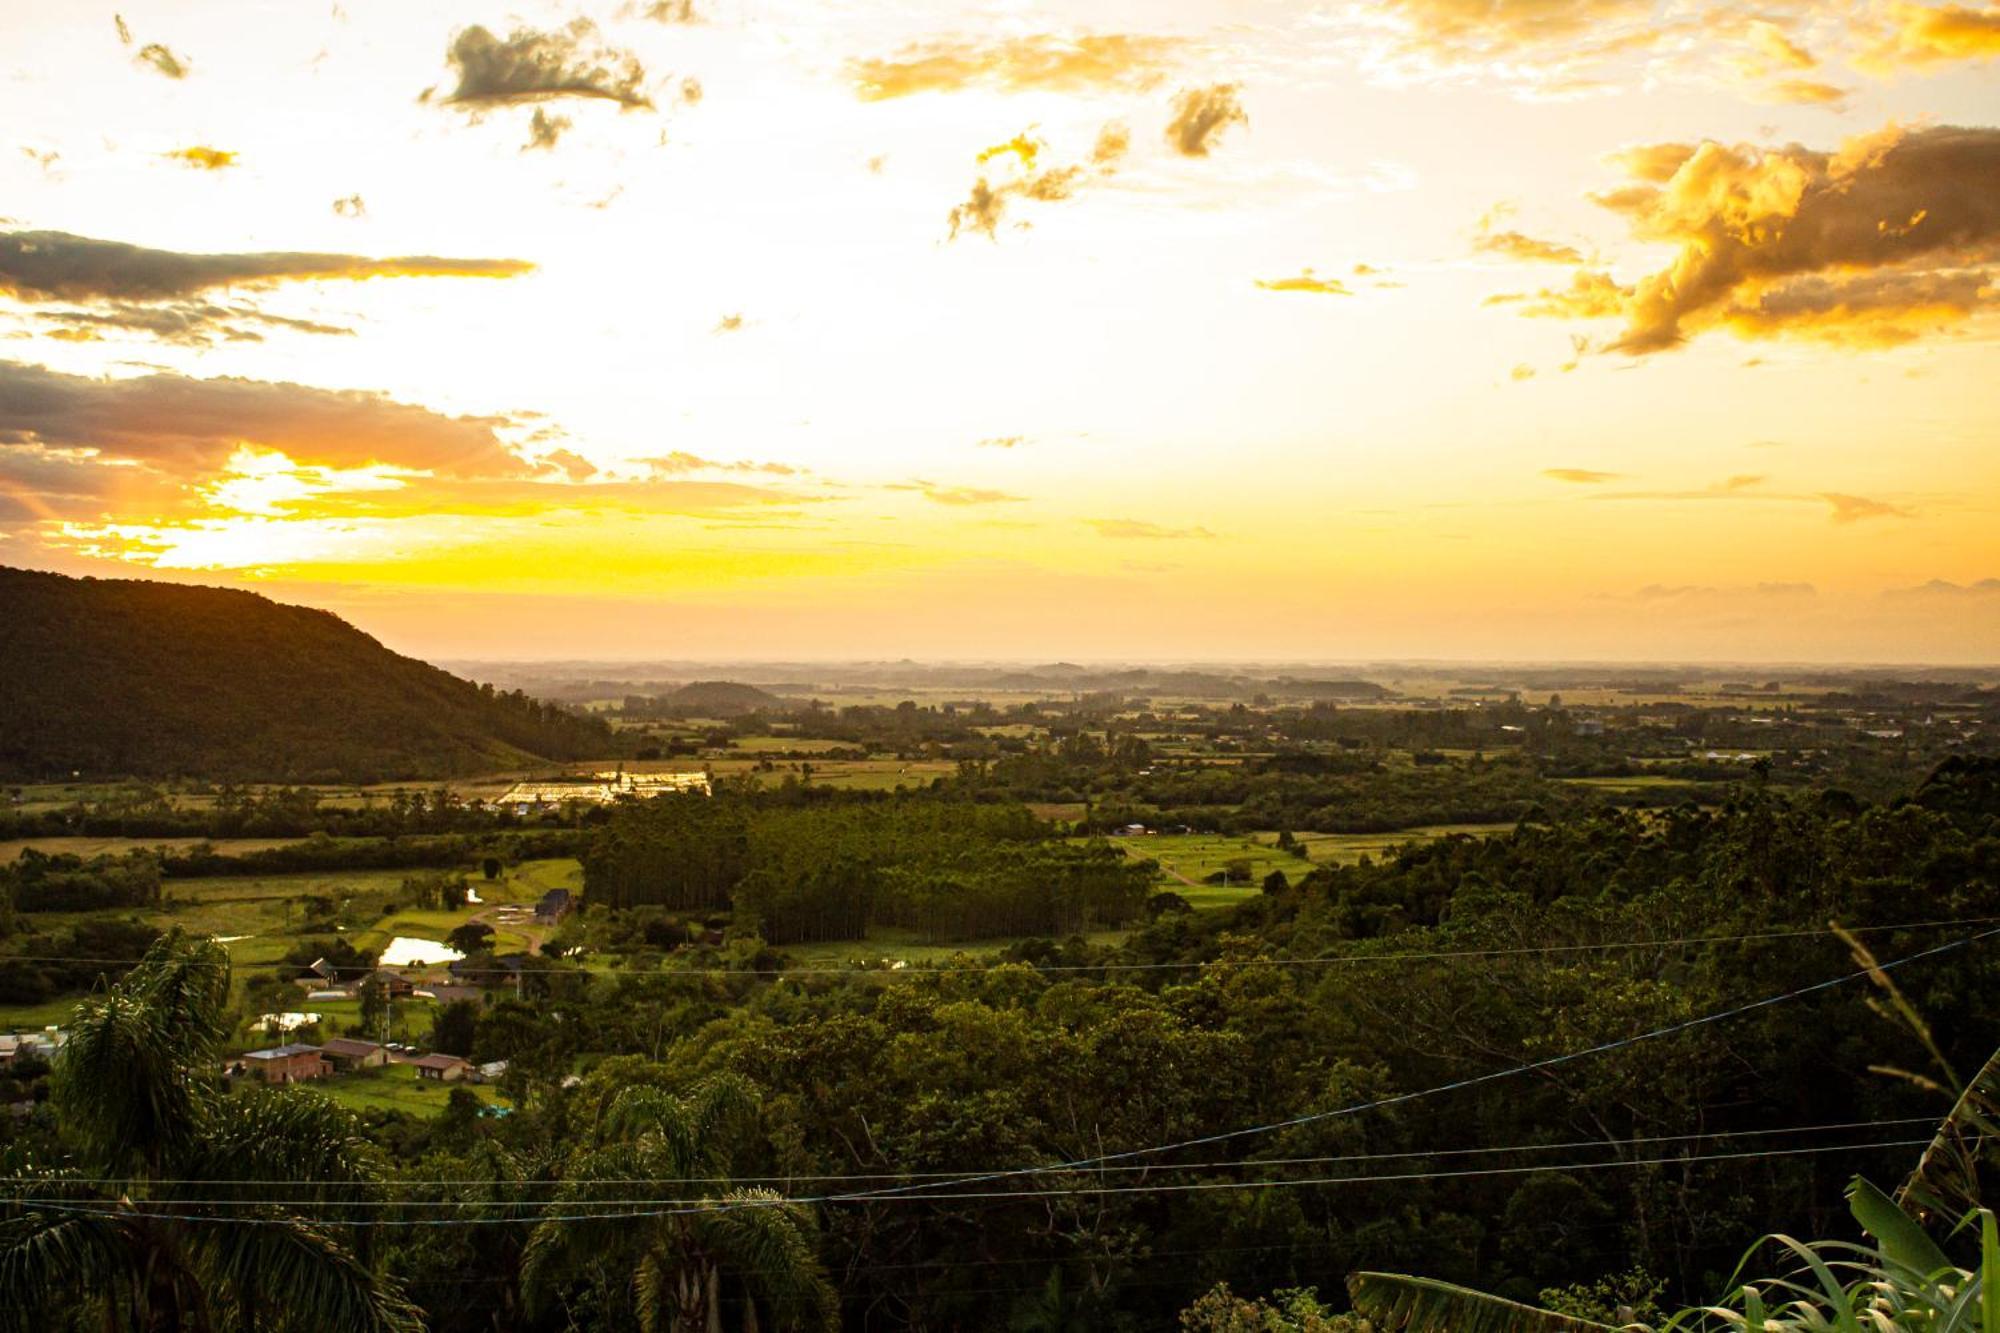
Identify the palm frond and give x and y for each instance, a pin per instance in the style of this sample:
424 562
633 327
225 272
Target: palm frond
1397 1303
297 1268
1946 1176
50 1256
121 1085
774 1248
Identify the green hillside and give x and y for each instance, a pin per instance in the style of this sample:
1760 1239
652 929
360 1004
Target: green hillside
109 677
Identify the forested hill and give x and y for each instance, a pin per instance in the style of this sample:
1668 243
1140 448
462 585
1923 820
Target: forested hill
114 677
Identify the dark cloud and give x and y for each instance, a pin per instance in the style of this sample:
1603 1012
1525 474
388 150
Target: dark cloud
986 206
1200 117
1017 64
544 130
1895 235
671 11
54 265
531 65
189 427
191 323
157 57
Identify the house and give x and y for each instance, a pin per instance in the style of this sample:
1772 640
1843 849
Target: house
286 1064
554 906
350 1053
440 1068
503 970
394 984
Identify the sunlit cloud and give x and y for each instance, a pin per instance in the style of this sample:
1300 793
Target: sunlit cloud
203 158
1305 281
1201 115
1892 237
1044 61
1580 476
1917 37
1133 529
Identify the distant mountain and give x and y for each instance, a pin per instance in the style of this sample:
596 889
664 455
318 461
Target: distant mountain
721 697
116 677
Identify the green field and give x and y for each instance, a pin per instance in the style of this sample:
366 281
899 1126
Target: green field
261 918
1187 859
397 1088
886 944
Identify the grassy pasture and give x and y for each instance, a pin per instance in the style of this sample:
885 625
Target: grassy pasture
397 1088
259 919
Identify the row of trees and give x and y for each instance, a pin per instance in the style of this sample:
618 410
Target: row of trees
950 870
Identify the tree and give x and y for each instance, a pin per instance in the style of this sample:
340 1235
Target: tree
471 937
678 1262
490 867
456 1027
176 1207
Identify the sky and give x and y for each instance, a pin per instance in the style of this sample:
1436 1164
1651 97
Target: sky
1182 330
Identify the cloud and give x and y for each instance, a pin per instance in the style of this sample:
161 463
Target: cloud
1855 508
188 427
190 323
986 206
570 463
1305 282
1041 61
728 324
1113 142
1894 236
1200 117
154 56
544 130
968 495
671 11
1806 92
1946 590
678 464
1001 442
1522 371
352 206
1580 476
1527 249
530 66
54 265
1134 529
202 158
1916 36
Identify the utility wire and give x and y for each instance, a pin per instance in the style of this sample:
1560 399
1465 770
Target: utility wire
949 1177
677 1207
925 969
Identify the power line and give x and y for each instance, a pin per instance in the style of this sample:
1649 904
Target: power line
922 969
1547 1062
674 1207
949 1177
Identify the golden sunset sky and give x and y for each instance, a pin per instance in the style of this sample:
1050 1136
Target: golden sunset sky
1539 329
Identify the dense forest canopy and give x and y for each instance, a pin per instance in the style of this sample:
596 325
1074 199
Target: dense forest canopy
124 677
